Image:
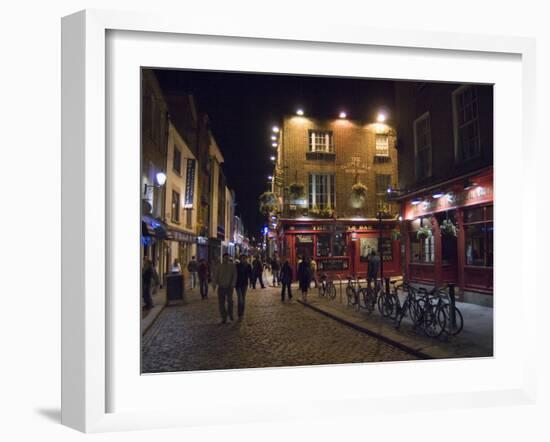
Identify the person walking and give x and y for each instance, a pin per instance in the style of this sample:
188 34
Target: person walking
257 271
286 280
147 278
373 268
225 278
192 268
176 267
313 265
275 270
244 275
204 275
304 277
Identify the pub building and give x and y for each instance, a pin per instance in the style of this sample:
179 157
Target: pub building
329 187
438 252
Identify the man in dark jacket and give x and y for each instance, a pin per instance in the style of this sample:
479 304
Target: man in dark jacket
373 267
244 275
286 279
257 270
275 269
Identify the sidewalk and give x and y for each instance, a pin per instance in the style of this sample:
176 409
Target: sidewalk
475 340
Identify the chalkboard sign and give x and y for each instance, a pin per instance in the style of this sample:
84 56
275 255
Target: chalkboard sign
333 264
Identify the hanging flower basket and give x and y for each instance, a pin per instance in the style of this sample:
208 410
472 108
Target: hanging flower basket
268 203
359 190
395 235
358 197
424 233
296 190
448 228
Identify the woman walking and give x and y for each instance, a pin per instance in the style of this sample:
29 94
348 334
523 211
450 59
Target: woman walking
304 277
285 278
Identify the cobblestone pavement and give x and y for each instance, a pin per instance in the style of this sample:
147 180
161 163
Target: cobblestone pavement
272 334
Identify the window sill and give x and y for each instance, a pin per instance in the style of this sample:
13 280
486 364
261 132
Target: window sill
327 156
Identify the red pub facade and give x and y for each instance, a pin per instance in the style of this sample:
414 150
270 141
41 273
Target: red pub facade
462 255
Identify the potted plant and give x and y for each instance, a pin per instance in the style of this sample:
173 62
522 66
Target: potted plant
314 211
448 228
424 232
326 213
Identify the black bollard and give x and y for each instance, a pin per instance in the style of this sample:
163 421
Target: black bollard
387 283
452 300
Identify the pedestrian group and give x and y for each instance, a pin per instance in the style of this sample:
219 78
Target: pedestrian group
239 276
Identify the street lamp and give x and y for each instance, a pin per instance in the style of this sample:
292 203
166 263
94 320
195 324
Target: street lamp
161 179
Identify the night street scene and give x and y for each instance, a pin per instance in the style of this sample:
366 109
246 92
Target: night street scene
304 220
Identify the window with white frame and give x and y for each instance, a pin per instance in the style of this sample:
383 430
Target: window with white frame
321 191
466 123
423 146
320 141
382 145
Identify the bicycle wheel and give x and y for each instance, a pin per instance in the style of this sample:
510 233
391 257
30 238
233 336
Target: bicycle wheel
331 290
459 320
387 306
366 296
350 295
432 322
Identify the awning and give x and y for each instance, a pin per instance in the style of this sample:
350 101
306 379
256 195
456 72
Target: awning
152 227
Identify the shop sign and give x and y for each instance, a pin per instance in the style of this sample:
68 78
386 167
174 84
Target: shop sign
452 200
189 184
304 238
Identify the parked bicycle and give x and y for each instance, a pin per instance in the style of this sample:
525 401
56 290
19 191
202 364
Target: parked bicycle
370 295
326 287
353 291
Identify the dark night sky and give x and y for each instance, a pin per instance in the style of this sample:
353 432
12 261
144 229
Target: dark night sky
243 108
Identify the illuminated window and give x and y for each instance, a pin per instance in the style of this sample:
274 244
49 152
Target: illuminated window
321 191
382 145
478 228
383 182
466 123
320 141
423 146
175 206
422 249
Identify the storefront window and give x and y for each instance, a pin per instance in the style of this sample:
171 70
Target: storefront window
339 244
422 249
449 247
323 245
387 252
478 228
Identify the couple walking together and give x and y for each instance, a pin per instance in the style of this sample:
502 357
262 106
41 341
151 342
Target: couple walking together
228 276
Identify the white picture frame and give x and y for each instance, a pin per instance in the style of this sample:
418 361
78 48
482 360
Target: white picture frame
86 352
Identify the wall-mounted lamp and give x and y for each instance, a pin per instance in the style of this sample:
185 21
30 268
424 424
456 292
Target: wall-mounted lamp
161 179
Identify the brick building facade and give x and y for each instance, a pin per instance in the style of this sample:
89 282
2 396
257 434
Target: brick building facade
318 162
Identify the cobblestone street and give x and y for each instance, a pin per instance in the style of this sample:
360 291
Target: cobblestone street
189 337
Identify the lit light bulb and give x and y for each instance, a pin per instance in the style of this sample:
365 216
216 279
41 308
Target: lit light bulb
343 115
381 118
300 112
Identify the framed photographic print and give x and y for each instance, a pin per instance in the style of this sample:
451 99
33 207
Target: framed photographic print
248 215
